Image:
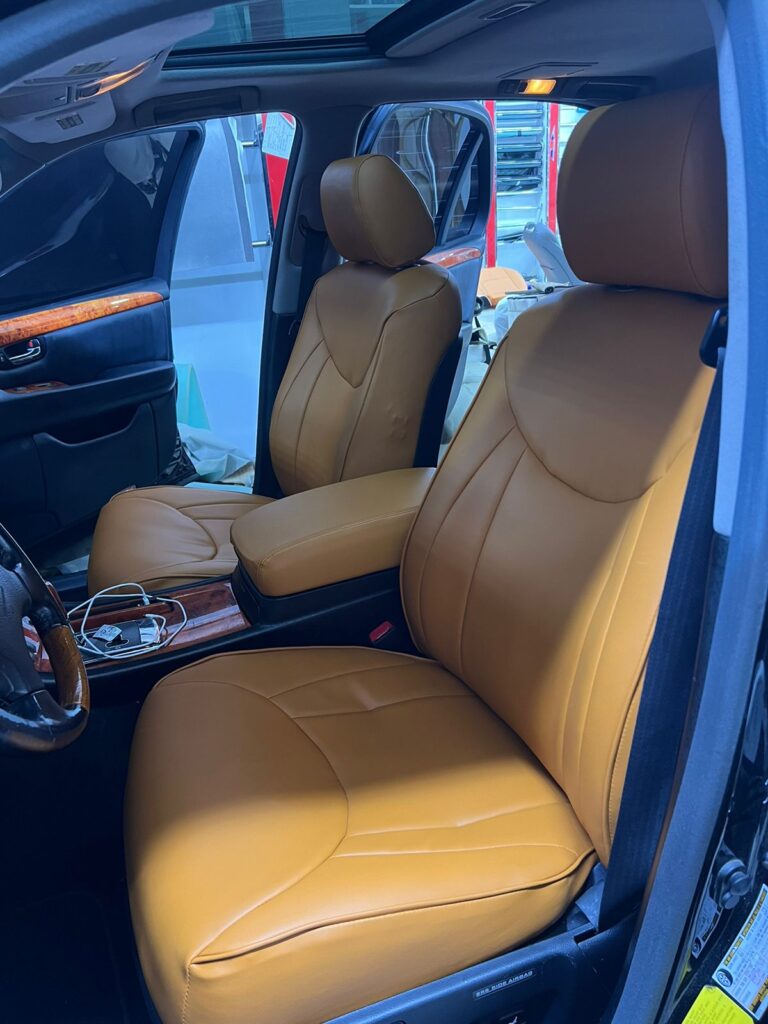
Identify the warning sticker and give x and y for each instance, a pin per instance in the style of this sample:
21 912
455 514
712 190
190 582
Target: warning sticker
278 135
712 1006
743 971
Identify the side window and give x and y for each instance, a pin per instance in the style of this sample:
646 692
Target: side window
98 216
523 255
467 205
431 144
218 289
530 140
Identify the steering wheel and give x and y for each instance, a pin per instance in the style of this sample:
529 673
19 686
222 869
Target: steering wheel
32 719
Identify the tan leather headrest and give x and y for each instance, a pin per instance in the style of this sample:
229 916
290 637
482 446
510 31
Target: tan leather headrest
642 195
373 214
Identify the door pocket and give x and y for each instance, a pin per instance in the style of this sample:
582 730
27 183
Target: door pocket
82 472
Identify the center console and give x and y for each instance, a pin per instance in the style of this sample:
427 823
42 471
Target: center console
317 568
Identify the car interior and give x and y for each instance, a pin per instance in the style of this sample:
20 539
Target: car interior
348 745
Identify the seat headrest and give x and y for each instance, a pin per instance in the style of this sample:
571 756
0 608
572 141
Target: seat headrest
373 214
642 195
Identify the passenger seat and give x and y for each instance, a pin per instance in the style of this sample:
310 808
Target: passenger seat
351 402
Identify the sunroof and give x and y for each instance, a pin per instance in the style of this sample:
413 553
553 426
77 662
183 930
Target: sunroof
263 22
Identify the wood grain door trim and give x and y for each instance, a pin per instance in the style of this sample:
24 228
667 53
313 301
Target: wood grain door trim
45 321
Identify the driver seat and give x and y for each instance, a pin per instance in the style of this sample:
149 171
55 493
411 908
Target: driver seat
312 830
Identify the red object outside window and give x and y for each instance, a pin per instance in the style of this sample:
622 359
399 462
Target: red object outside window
490 231
276 167
553 161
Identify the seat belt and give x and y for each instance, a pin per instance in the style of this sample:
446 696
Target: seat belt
311 264
673 666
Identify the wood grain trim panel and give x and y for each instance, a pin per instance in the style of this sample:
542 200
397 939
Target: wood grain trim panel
212 611
32 325
454 257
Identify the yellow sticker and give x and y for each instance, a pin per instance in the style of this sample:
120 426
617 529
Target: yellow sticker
743 971
713 1006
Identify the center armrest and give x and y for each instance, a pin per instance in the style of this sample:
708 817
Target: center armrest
329 534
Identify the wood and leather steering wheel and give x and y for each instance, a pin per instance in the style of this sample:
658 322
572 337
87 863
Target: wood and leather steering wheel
32 718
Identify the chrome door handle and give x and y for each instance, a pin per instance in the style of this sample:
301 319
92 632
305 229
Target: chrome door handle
32 351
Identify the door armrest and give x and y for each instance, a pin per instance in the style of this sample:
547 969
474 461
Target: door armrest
329 534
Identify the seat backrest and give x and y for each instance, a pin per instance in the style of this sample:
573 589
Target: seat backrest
536 563
373 335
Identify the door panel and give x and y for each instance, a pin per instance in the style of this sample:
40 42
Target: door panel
87 382
81 421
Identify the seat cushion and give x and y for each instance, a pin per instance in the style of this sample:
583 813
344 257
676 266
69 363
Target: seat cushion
166 536
311 830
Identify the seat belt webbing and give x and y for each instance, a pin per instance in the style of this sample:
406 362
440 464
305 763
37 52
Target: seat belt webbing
672 668
311 264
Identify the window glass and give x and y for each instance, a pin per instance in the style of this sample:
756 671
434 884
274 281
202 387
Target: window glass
87 222
530 140
219 287
426 142
520 167
467 204
523 257
267 21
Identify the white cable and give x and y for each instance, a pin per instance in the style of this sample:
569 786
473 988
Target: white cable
118 593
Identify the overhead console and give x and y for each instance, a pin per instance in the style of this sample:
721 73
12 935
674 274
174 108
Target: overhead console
72 97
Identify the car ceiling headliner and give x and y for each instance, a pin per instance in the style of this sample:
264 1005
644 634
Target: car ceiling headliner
667 41
661 39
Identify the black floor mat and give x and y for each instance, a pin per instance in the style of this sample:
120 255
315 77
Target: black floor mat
58 965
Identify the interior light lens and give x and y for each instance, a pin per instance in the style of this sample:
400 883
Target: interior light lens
539 86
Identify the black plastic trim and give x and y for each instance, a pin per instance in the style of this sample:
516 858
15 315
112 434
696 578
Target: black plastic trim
277 342
27 414
436 406
562 978
353 595
339 615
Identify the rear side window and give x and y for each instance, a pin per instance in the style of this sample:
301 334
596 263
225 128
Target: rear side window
427 143
467 204
89 221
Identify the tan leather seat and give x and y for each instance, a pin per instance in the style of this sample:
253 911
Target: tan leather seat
309 831
353 395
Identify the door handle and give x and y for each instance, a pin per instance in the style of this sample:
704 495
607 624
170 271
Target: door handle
21 353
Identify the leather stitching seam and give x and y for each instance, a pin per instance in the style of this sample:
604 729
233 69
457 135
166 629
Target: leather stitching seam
385 707
606 630
438 529
185 1004
374 365
416 659
304 416
463 850
315 867
473 576
297 373
585 494
681 193
389 911
469 823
